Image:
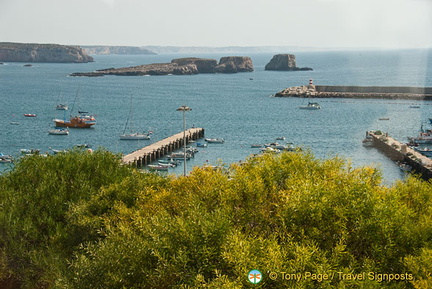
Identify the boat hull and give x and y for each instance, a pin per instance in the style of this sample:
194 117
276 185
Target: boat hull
215 140
135 136
75 122
58 132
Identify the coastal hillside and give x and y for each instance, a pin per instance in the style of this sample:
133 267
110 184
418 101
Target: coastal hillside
33 52
108 50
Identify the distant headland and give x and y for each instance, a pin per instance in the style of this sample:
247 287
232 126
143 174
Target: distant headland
180 66
118 50
32 52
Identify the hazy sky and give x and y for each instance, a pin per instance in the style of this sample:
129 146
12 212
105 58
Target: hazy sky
316 23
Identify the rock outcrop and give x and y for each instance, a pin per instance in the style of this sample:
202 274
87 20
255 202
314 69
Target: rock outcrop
29 52
234 64
284 62
107 50
180 66
203 65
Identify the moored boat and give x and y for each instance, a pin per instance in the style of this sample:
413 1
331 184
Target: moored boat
62 106
135 136
79 121
424 151
58 131
422 138
311 106
6 158
170 162
158 167
179 156
214 140
29 114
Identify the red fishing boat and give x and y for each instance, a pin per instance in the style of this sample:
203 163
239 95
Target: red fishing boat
79 121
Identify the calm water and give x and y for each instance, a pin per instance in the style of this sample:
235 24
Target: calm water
229 106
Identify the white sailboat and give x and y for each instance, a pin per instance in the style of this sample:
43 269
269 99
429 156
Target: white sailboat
59 130
133 135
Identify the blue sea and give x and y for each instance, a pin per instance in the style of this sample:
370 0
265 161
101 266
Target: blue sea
236 107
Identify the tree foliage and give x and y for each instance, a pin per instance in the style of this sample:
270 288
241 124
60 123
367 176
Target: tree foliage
83 220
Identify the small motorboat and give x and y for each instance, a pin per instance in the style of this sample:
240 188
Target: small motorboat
424 151
311 106
6 158
215 140
158 167
201 145
179 156
256 146
62 107
169 162
280 138
58 131
29 115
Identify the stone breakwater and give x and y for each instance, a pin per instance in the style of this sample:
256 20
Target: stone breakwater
361 92
181 66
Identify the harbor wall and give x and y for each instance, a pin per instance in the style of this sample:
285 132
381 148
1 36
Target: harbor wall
400 152
374 89
361 92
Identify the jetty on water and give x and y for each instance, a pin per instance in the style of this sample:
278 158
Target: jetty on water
360 92
161 148
398 151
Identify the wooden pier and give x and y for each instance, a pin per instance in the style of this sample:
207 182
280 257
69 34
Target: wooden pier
161 148
398 151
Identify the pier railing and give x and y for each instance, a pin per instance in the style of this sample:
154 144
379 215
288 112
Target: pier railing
161 148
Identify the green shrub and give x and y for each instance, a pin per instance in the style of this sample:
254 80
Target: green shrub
287 213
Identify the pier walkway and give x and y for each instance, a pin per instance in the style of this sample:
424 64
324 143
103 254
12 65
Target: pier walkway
398 151
161 148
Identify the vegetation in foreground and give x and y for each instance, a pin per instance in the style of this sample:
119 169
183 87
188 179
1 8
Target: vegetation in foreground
80 220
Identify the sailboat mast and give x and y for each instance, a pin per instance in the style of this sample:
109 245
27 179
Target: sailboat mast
129 116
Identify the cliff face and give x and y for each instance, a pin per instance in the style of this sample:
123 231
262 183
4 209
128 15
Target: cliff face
234 64
25 52
107 50
203 65
180 66
284 62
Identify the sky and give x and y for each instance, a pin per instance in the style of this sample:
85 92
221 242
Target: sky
220 23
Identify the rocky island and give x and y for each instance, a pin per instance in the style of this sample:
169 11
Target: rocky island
284 62
31 52
180 66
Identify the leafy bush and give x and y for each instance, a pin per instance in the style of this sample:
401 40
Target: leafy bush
276 213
